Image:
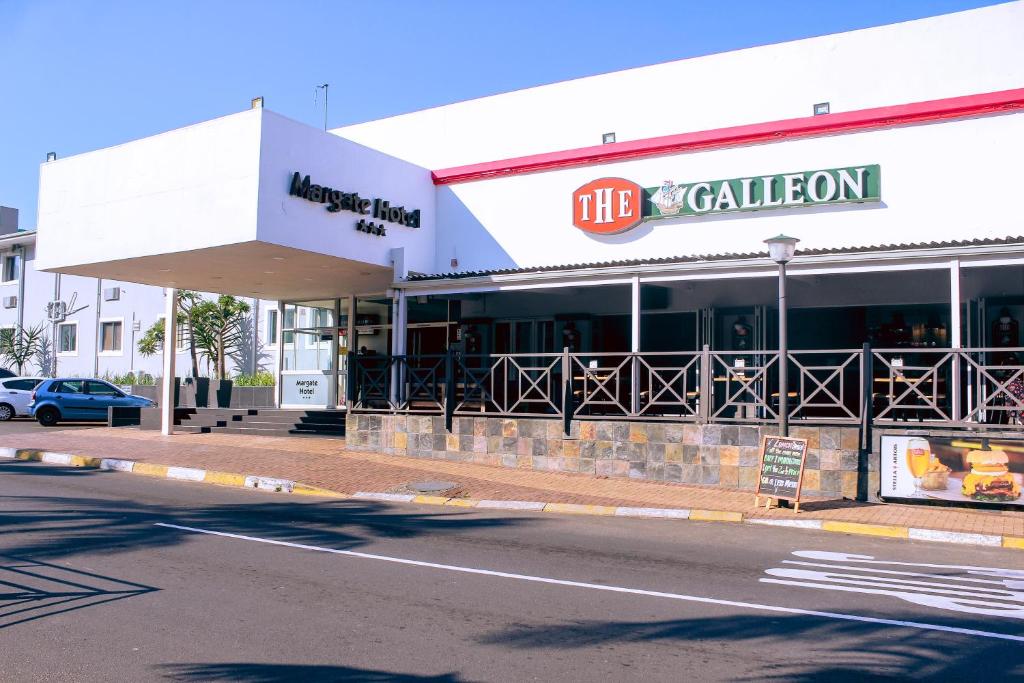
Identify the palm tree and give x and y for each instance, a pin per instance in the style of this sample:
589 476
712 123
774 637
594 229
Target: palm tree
18 345
152 342
217 329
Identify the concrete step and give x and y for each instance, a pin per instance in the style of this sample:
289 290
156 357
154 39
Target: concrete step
330 414
319 429
253 431
321 435
192 429
290 419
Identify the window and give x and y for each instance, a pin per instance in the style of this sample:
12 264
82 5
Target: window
289 324
180 334
320 321
11 267
181 337
111 332
21 384
71 386
67 339
103 389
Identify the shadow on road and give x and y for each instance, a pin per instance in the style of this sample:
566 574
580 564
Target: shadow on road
48 527
848 651
279 673
31 590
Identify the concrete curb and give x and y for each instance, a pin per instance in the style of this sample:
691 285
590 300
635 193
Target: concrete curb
169 472
293 487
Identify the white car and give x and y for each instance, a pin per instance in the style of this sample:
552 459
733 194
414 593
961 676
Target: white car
15 395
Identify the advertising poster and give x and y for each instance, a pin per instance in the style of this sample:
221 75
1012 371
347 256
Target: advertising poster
958 469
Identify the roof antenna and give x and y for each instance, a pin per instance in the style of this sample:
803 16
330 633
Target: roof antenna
324 88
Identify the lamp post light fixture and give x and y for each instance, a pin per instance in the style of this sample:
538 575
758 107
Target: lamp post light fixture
781 250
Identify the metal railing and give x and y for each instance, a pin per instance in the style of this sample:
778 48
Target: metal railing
924 386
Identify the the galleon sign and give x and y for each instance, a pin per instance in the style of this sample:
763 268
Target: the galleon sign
613 205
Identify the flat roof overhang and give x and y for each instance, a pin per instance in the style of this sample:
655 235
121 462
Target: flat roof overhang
216 207
251 269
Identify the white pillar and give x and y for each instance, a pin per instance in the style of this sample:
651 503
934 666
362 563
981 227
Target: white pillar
333 398
635 342
954 302
167 392
399 314
955 334
635 315
279 340
351 341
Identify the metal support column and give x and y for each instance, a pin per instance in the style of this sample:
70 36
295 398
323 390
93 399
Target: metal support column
635 344
279 367
353 346
783 355
167 390
334 399
399 315
955 334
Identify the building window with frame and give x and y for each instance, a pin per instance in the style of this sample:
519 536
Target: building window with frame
11 267
67 339
111 334
181 337
289 324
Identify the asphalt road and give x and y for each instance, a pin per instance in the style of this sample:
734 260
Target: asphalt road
91 588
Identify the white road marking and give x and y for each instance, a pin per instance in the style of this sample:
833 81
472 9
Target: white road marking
951 587
612 589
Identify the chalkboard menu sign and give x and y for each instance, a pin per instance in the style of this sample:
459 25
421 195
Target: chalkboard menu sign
782 468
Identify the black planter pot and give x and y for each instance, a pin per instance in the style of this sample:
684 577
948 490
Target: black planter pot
223 391
195 392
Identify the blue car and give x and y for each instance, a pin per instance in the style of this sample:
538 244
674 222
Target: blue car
79 399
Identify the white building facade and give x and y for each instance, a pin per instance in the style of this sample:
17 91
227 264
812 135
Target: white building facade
496 258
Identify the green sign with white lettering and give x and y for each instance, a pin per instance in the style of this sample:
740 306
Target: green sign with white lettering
780 191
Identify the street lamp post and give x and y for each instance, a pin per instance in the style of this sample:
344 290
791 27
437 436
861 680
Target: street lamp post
781 250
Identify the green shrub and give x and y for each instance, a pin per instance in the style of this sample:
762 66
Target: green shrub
260 379
129 378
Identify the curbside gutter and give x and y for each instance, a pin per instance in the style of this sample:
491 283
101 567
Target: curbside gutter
288 486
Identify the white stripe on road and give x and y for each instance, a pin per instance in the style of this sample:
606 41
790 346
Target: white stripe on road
612 589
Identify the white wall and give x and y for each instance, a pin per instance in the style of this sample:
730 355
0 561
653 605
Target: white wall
181 190
945 181
965 53
288 147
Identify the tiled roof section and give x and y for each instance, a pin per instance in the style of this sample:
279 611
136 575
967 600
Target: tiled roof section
668 260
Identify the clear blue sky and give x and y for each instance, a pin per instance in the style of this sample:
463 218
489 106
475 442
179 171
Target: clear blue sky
78 75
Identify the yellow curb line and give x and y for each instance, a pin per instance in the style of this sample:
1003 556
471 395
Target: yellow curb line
224 478
462 502
1013 542
577 509
304 490
149 469
431 500
716 516
867 529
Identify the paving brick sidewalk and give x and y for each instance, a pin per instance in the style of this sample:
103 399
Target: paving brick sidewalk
325 463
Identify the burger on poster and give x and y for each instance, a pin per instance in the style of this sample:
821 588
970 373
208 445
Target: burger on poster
989 478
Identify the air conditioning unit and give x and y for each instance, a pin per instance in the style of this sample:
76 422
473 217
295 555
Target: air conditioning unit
112 294
10 302
56 311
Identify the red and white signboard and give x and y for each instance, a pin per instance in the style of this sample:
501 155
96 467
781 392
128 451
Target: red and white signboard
607 206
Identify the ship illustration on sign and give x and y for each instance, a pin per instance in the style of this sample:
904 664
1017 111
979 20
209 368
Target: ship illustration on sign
669 198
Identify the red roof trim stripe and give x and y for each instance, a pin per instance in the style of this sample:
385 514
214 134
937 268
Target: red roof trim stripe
772 131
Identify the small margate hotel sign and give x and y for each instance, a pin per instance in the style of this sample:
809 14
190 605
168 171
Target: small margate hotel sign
612 205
